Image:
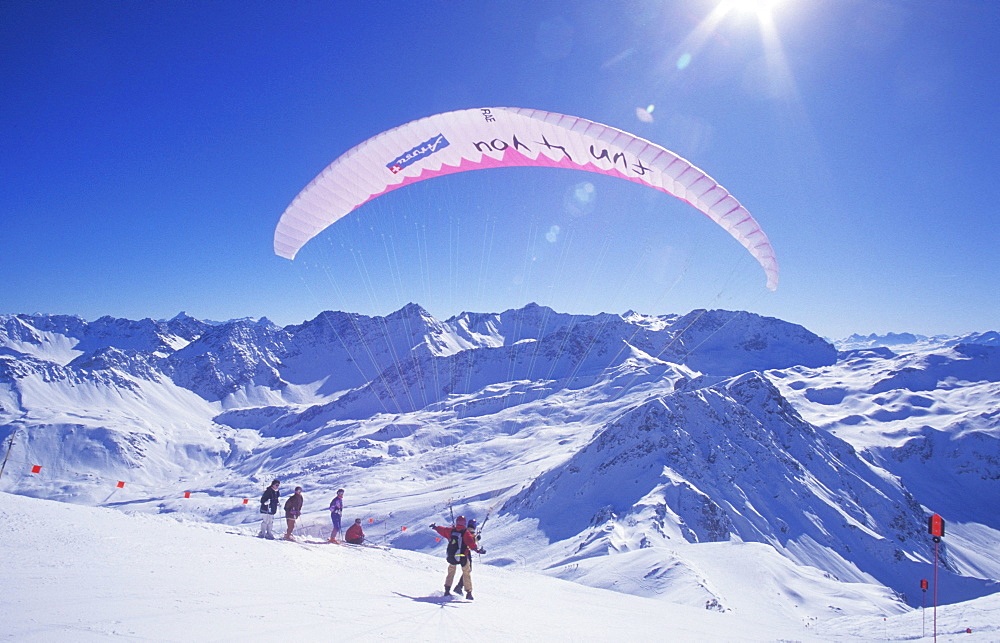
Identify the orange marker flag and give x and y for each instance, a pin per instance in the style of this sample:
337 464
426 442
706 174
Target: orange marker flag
404 528
36 469
187 494
121 484
246 501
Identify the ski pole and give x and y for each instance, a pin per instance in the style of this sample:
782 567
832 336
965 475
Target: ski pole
10 445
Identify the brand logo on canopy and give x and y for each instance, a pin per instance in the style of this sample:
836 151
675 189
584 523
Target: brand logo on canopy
426 148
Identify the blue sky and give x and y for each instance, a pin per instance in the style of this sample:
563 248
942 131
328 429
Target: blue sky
148 150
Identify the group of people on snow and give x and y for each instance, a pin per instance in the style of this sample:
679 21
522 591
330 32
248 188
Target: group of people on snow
269 501
462 537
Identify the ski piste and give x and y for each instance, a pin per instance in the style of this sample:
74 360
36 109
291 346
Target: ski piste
302 540
435 598
365 545
454 598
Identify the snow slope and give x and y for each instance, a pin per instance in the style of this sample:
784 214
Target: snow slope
931 417
109 574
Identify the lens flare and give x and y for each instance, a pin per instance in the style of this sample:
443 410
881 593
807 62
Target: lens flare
759 7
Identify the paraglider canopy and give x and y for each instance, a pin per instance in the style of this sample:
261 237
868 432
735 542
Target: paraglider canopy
492 137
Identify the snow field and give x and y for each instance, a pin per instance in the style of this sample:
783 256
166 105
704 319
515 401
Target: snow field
82 573
88 574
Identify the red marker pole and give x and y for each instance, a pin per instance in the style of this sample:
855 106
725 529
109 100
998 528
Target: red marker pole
936 541
923 606
935 526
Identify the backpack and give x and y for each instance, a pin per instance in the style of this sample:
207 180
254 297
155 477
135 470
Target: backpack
456 549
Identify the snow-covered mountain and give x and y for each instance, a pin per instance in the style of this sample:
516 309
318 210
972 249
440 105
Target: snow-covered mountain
931 418
658 444
910 341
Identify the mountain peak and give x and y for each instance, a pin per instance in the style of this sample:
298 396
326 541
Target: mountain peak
411 311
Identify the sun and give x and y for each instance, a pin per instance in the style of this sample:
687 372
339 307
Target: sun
759 7
780 81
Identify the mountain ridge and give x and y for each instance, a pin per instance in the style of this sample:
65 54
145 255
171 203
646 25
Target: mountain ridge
726 426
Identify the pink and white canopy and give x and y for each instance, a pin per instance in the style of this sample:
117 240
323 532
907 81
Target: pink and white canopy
474 139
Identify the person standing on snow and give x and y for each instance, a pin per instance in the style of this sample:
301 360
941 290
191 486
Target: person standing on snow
461 542
355 534
471 527
293 508
336 510
268 507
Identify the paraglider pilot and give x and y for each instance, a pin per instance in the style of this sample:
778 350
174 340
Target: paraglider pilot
461 542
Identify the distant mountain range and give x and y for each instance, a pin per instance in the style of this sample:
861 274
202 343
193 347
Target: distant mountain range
901 340
588 440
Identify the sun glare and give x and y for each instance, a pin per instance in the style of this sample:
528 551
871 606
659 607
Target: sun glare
775 76
759 7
